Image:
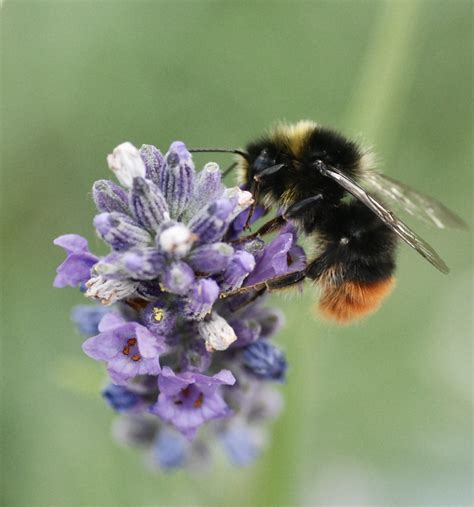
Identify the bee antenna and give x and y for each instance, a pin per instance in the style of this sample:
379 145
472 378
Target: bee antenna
243 154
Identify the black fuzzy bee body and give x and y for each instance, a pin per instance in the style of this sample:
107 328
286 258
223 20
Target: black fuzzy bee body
327 185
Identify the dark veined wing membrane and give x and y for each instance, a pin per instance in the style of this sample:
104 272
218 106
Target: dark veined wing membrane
389 219
421 206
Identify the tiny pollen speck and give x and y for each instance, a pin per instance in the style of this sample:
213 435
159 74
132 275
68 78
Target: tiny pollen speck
158 314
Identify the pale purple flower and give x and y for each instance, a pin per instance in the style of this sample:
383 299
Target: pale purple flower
187 400
128 348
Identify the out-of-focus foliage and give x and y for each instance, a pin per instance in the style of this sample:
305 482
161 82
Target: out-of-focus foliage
378 413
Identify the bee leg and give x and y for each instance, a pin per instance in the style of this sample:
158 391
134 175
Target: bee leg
255 189
272 225
251 299
283 281
276 283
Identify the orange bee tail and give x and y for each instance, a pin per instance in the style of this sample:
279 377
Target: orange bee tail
350 301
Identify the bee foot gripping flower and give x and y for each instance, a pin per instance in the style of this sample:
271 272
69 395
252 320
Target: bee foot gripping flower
181 359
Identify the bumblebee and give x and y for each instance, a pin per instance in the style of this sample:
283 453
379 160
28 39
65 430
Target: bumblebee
328 186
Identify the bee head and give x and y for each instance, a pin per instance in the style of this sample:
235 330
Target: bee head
260 158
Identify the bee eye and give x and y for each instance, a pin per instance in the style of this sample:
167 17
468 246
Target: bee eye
263 161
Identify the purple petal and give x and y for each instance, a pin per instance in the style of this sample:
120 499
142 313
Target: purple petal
241 264
169 383
121 368
72 243
149 345
111 321
274 261
104 346
75 270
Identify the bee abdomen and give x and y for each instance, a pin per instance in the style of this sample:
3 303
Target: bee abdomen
352 300
356 266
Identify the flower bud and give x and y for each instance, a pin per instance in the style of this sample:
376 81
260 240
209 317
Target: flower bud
87 318
208 186
217 333
211 223
126 163
265 361
154 162
148 204
241 264
213 258
247 331
178 278
120 398
144 263
177 179
110 197
271 321
242 443
120 231
243 199
111 267
170 449
200 299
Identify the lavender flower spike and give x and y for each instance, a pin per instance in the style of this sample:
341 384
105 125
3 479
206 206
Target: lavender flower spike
170 318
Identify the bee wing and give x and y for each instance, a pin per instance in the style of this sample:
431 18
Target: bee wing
387 217
421 206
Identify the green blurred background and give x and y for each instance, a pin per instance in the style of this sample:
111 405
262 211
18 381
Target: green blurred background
376 414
